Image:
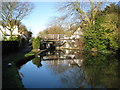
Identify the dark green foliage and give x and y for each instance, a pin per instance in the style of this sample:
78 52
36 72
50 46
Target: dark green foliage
103 35
94 37
36 42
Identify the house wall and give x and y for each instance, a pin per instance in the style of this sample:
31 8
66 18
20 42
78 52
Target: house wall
15 32
77 34
7 32
1 37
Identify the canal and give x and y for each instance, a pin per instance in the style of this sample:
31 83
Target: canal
71 69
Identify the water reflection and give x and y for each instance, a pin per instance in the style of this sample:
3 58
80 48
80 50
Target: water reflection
102 70
71 69
37 61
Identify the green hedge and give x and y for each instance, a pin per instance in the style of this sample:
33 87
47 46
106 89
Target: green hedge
36 42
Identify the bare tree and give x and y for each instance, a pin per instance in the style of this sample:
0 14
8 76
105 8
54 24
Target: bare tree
13 13
55 21
77 12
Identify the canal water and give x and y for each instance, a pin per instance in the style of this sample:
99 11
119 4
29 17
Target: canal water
71 69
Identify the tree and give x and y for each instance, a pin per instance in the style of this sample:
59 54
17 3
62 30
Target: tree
36 42
55 21
55 26
104 34
13 13
22 28
111 25
30 34
51 30
76 12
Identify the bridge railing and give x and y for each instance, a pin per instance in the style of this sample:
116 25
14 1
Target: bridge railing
54 36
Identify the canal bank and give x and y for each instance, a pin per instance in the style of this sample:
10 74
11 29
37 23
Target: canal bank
10 75
11 64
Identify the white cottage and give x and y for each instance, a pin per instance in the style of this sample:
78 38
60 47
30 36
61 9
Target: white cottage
76 34
7 32
1 37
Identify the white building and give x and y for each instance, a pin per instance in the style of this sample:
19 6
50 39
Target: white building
76 34
15 32
1 37
7 32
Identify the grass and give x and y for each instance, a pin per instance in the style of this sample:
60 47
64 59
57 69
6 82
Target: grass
11 78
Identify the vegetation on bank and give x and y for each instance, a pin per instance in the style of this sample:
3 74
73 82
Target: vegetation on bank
11 78
104 34
36 42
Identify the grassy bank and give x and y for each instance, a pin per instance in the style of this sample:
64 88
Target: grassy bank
11 78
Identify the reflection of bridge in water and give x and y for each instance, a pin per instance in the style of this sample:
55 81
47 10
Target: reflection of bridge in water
59 40
68 57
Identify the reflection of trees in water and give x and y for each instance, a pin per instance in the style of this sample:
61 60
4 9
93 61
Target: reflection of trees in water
101 71
98 71
37 61
70 75
74 77
58 66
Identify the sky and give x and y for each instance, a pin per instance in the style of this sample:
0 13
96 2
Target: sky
38 19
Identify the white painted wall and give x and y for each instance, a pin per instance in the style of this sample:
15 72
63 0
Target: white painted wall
67 45
77 34
15 32
5 30
1 37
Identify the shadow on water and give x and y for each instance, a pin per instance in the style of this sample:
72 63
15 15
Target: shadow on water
24 61
72 69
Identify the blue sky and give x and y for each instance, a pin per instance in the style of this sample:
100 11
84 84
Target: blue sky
40 16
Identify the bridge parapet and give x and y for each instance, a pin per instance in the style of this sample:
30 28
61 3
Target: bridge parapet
54 36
